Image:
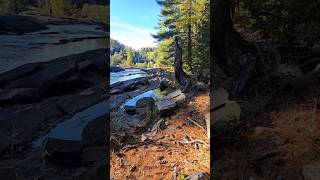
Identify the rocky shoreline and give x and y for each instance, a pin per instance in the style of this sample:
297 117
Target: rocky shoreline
37 96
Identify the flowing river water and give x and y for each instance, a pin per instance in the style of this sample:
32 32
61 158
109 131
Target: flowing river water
16 50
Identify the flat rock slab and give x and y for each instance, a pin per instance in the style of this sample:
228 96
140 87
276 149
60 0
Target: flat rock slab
19 96
231 111
95 132
219 98
73 103
165 104
48 78
177 96
18 72
62 151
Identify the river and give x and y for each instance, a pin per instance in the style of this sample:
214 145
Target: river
16 50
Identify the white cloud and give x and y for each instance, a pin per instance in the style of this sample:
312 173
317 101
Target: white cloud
133 36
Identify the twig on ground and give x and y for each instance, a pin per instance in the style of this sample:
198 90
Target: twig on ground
191 141
205 131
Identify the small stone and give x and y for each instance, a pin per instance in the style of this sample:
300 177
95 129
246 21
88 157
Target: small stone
160 157
133 168
198 176
162 161
143 137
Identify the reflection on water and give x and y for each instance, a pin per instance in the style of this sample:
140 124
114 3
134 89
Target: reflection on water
71 129
129 73
16 50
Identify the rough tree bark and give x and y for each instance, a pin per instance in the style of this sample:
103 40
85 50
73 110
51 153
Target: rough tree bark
233 54
182 78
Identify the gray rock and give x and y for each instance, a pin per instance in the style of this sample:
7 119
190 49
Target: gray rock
62 151
51 79
19 96
145 102
117 100
225 115
177 96
311 171
220 97
18 72
198 176
165 107
95 133
225 120
73 103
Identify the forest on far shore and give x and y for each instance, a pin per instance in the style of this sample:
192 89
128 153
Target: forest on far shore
93 10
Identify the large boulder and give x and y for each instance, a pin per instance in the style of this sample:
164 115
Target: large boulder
95 133
62 151
19 24
225 115
166 107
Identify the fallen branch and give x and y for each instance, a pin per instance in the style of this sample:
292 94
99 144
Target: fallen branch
197 124
192 141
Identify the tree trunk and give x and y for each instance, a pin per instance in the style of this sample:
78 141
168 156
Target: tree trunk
182 78
230 51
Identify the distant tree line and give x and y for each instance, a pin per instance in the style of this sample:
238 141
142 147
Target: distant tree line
126 56
95 10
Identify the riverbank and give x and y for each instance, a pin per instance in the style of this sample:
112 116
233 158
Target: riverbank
151 131
36 98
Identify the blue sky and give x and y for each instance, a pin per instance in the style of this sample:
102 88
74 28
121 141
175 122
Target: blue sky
132 22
